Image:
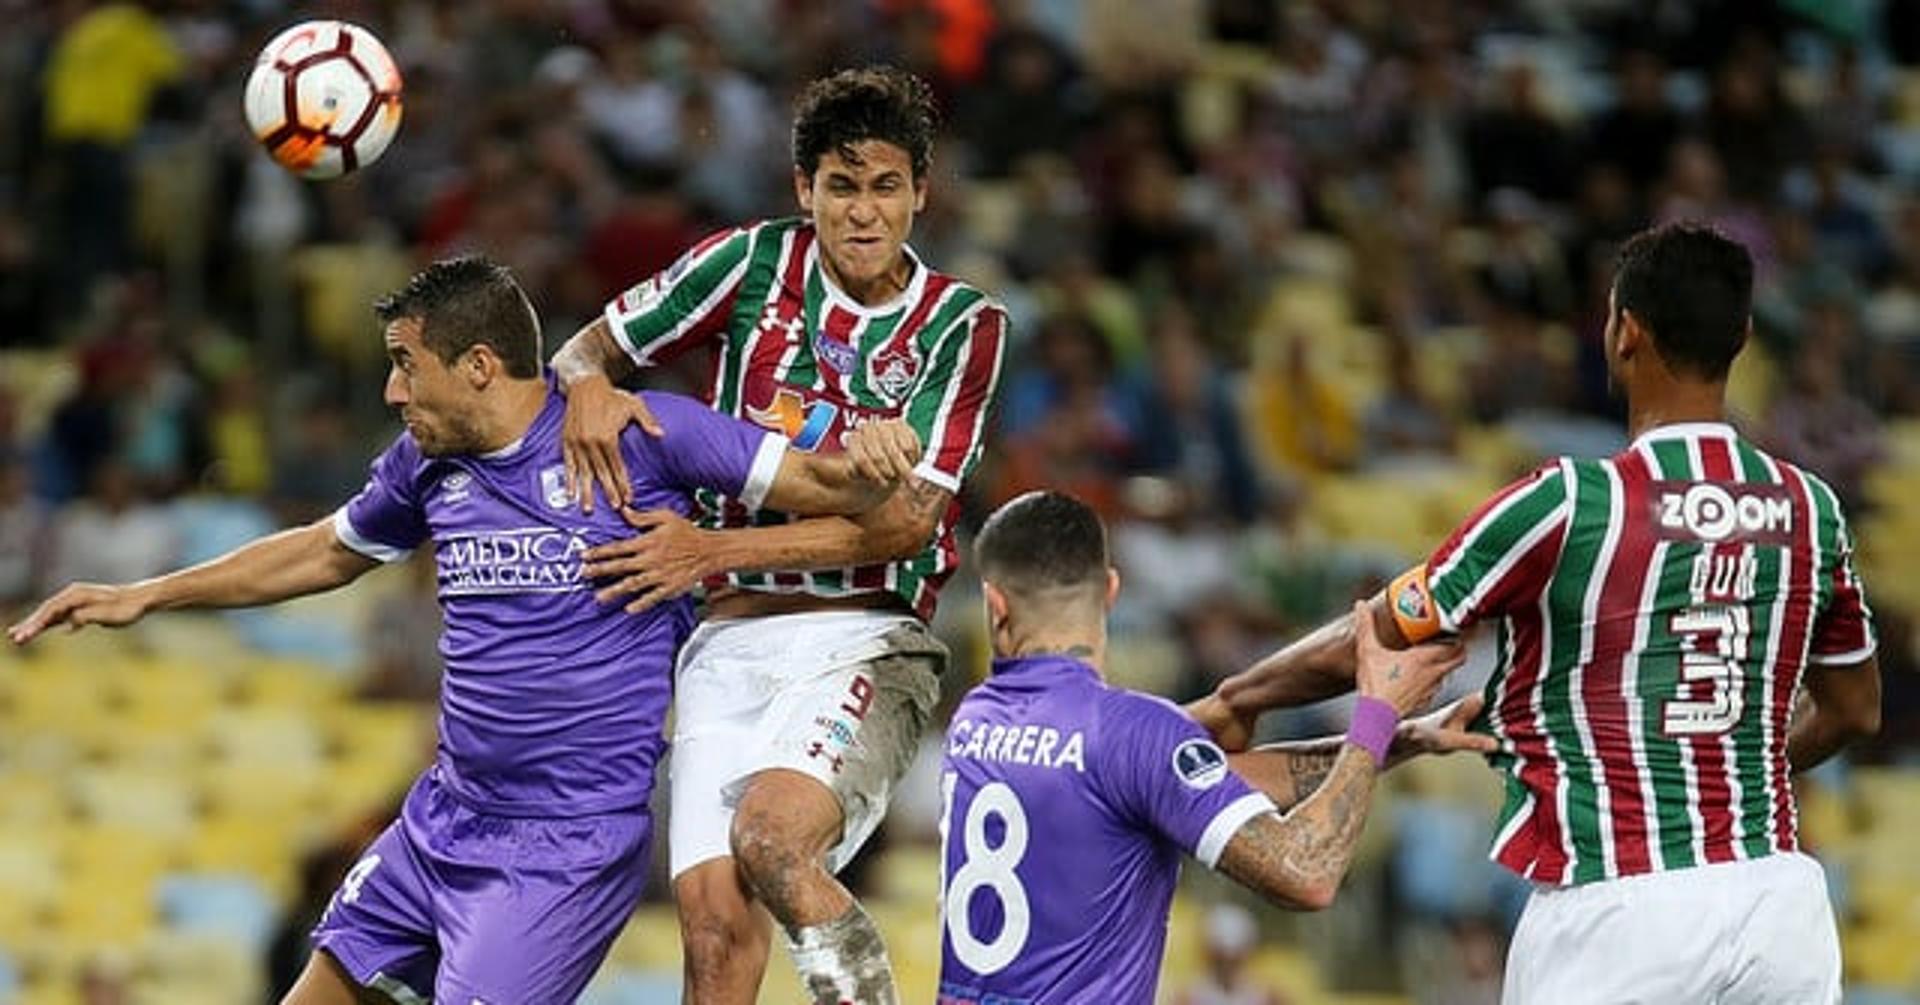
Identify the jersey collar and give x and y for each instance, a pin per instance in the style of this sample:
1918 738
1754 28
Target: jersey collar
911 294
1686 431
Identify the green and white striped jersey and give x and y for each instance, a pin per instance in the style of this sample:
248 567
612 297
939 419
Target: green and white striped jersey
1654 613
795 354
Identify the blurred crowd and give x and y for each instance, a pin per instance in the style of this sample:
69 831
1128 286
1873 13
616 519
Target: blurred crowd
1250 247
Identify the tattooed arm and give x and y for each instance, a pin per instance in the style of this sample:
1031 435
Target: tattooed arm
1290 772
1287 772
1297 861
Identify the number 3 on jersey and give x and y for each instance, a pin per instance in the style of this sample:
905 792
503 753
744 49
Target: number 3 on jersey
1713 652
988 866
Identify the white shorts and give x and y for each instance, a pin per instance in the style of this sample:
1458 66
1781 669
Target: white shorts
840 696
1759 932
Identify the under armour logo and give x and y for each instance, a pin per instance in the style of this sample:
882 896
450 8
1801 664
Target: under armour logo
770 321
819 749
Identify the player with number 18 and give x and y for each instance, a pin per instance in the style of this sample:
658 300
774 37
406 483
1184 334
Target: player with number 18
1069 804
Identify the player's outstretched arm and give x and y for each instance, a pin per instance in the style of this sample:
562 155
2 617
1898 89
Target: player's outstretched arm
1298 860
1316 666
588 367
1289 772
879 457
289 564
671 555
1841 705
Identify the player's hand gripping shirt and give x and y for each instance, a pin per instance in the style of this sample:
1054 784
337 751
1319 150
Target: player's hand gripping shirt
1654 612
1069 806
796 355
553 704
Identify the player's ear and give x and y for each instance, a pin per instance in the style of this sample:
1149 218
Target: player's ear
920 194
479 366
996 603
803 189
1632 336
1113 587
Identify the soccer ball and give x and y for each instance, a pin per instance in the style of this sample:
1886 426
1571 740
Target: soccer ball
324 98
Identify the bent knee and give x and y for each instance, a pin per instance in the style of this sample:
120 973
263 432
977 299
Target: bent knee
762 847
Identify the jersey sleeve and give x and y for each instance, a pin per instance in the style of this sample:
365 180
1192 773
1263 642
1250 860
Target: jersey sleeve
1499 558
701 448
386 520
1843 631
1165 773
949 403
672 311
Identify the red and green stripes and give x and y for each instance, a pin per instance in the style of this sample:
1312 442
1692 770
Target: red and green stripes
785 327
1601 618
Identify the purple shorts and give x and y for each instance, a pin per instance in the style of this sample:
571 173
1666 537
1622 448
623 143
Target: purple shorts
453 905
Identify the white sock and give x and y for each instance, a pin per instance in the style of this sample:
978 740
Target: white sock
843 961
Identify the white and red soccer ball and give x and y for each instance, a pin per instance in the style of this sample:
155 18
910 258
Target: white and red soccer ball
324 98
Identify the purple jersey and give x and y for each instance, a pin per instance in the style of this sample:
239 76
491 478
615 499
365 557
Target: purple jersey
552 704
1069 806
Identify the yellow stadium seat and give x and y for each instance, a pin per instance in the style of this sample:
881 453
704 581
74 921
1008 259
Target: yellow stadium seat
290 683
361 786
31 875
262 847
180 685
239 787
50 992
102 912
107 854
47 694
172 748
136 798
396 731
1882 955
266 735
31 800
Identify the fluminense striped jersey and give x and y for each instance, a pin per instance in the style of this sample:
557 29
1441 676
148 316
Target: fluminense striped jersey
1654 613
795 354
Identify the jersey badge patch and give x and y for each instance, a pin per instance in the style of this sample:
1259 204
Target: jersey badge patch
893 372
553 487
1200 764
838 355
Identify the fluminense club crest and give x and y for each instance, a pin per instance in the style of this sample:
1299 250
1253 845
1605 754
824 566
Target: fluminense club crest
893 372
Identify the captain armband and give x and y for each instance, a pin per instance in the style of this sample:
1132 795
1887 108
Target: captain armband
1411 602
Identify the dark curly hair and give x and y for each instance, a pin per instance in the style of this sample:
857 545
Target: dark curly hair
882 103
468 301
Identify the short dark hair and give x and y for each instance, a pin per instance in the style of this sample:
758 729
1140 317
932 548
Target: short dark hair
468 301
1042 540
1692 287
867 103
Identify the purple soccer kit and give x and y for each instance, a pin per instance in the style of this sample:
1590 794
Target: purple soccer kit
520 853
1069 807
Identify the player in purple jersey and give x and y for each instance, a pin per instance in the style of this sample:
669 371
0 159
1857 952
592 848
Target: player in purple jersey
1070 805
519 854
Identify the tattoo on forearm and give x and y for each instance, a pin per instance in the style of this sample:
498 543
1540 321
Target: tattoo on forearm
1308 771
1312 846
